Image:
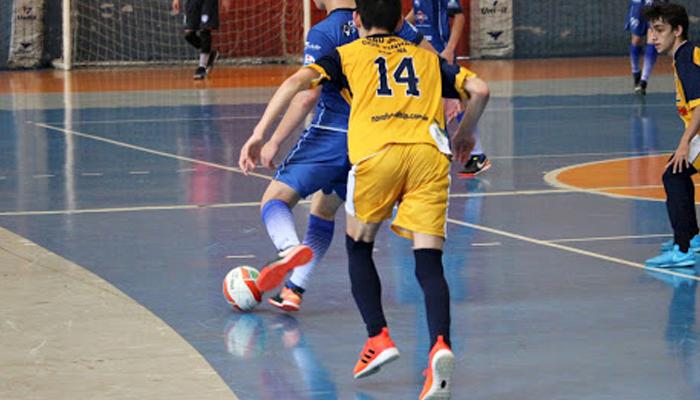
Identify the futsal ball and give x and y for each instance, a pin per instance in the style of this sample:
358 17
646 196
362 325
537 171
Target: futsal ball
240 289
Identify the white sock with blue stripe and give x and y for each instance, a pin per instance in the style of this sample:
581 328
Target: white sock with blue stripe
279 222
319 235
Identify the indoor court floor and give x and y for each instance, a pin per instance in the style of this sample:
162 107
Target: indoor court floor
122 209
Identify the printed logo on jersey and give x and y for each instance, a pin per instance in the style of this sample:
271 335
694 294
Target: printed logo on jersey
349 28
312 46
416 3
634 23
421 17
205 18
309 59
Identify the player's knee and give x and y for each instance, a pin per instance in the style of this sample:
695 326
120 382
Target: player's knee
205 37
192 38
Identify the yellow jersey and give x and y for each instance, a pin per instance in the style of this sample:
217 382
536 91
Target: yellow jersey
395 91
686 68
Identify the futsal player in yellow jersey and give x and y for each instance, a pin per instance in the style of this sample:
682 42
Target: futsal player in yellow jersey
401 155
669 35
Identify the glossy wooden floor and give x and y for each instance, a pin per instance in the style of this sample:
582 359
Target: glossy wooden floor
120 217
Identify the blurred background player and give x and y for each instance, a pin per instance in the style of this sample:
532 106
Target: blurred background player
318 164
201 17
669 34
432 18
638 27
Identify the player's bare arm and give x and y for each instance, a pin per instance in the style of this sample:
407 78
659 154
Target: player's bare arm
176 6
301 106
463 140
455 34
680 156
301 80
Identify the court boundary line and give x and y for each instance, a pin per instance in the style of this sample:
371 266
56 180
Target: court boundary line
451 220
488 110
551 178
145 149
569 249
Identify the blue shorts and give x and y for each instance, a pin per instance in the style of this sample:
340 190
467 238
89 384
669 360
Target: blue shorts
636 23
318 161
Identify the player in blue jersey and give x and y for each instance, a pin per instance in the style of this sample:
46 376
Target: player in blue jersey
669 34
432 19
638 27
317 164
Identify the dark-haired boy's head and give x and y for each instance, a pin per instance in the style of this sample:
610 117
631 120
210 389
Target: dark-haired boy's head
669 13
379 14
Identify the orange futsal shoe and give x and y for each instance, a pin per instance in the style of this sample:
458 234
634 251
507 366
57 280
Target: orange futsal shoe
274 272
439 372
378 350
287 299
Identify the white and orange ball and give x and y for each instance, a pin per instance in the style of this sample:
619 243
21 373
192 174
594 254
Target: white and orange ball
240 288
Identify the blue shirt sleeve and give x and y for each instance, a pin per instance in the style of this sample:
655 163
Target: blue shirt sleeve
449 73
689 76
317 45
410 33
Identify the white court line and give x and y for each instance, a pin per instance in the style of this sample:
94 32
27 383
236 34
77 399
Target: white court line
571 155
605 238
139 172
571 189
574 250
146 150
91 174
135 209
552 179
487 244
241 256
43 176
483 228
255 117
147 120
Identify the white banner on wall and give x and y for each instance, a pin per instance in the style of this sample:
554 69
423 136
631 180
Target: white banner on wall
27 36
495 28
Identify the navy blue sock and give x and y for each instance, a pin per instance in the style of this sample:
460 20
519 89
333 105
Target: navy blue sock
365 285
431 278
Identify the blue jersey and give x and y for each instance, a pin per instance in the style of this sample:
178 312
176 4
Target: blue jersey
337 29
636 23
432 19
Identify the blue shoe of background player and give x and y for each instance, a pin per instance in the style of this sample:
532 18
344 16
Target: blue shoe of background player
694 244
673 258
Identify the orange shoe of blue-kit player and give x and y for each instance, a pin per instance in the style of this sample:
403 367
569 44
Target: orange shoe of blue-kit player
439 373
287 299
273 273
378 351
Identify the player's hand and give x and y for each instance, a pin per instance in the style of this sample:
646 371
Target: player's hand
448 55
452 108
176 6
462 146
250 154
679 159
268 153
